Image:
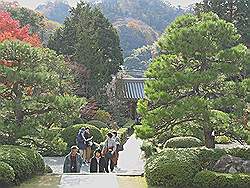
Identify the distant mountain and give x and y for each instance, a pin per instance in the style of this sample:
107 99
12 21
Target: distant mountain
156 13
55 10
138 22
134 34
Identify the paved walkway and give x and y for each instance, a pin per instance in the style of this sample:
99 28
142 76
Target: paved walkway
130 163
88 181
131 159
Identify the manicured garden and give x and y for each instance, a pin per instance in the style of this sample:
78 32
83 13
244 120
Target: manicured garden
18 164
193 167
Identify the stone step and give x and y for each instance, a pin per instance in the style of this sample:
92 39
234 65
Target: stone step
88 181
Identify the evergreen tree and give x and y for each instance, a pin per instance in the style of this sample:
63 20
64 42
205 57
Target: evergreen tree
199 78
90 40
234 11
35 90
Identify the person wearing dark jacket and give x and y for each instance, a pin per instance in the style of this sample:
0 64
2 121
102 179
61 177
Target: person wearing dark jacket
98 163
73 161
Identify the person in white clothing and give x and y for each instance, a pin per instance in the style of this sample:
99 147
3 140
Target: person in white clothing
109 150
116 154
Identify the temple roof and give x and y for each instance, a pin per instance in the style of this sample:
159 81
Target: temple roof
133 88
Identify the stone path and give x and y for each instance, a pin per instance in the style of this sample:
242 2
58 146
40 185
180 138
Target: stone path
130 163
88 181
130 160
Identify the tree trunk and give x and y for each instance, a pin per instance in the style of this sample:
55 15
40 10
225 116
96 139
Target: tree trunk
209 138
19 114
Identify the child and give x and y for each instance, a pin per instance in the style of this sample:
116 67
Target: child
98 163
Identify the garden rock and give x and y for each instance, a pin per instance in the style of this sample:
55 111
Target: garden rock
231 164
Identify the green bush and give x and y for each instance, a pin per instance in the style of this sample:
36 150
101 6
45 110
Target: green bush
98 124
7 174
25 162
209 179
172 168
222 139
183 142
69 134
104 132
102 116
148 148
248 140
243 153
169 166
123 135
188 129
163 138
208 157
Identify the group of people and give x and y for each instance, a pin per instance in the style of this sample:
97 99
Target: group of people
104 159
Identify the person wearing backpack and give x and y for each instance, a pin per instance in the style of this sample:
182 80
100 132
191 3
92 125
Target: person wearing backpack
83 141
80 140
87 145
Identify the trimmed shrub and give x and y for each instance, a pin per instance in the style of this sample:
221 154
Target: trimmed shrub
25 162
102 116
208 157
98 124
209 179
7 174
163 138
173 168
243 153
148 148
222 139
183 142
123 135
69 134
104 132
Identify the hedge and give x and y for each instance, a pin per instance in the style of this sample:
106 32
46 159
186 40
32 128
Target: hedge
209 179
183 142
69 134
25 162
123 135
208 157
174 169
222 139
148 148
7 174
173 165
98 124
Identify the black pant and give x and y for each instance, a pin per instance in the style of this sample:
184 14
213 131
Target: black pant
110 164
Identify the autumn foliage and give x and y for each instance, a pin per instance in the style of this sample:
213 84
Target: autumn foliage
10 29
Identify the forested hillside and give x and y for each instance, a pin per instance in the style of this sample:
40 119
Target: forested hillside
56 11
138 22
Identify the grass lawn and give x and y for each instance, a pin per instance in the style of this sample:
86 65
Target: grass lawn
132 182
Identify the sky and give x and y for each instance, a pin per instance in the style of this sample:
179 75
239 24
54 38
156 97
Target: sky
33 3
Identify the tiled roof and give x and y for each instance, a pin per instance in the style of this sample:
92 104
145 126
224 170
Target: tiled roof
133 88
